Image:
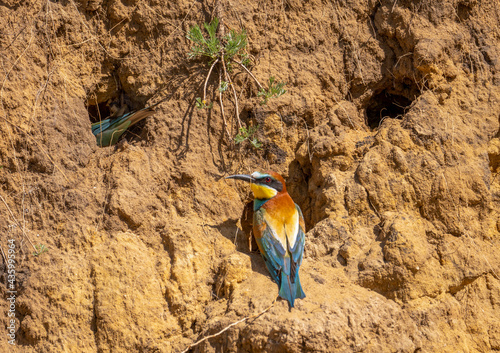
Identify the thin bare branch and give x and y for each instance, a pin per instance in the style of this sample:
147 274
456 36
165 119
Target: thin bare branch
228 79
248 72
206 79
16 221
229 326
3 255
222 108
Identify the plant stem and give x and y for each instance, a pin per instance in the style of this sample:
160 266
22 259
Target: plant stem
15 220
206 79
248 72
229 326
222 108
219 13
228 79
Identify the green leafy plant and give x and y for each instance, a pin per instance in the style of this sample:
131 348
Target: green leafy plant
248 134
223 86
227 51
202 104
210 47
274 91
236 44
40 249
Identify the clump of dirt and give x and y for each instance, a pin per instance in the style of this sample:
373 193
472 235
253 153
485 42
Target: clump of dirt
388 138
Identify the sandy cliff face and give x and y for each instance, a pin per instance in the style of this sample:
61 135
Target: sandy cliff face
388 137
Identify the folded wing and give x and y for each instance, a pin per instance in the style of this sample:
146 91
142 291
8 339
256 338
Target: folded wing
282 262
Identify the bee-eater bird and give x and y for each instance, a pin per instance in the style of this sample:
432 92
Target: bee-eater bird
278 227
108 131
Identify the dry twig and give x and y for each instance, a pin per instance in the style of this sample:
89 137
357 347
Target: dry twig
248 72
229 326
17 222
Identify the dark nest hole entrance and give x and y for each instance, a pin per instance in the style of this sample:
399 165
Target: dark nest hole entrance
98 112
386 105
114 108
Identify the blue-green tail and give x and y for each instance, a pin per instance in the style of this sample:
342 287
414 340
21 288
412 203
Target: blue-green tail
290 290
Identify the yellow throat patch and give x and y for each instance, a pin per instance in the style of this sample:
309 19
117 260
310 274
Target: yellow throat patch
263 192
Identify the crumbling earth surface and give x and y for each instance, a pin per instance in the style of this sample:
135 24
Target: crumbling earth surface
388 138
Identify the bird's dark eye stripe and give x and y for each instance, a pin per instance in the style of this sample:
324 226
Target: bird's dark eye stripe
275 184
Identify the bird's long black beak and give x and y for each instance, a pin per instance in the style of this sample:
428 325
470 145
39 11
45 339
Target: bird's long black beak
244 177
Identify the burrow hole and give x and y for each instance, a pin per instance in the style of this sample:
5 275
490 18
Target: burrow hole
98 112
385 105
102 108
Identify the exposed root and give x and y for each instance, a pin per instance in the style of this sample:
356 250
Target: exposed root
3 255
222 108
228 79
229 326
248 72
206 80
17 223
